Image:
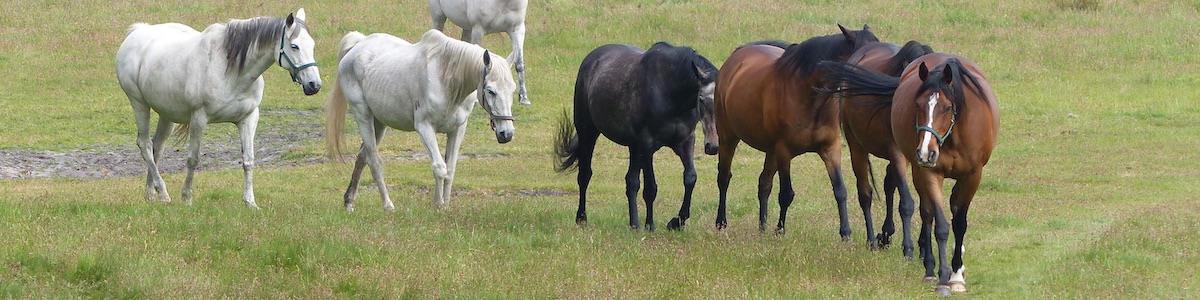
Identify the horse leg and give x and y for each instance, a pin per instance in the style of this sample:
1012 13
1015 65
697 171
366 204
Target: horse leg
896 171
650 191
155 187
928 184
860 163
960 202
517 57
359 162
684 151
833 165
440 173
199 120
587 145
475 34
246 130
632 183
889 221
453 142
370 153
783 160
437 17
770 166
725 151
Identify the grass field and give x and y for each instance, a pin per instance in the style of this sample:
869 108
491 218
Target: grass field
1091 192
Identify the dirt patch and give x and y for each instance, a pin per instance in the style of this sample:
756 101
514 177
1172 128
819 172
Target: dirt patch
279 131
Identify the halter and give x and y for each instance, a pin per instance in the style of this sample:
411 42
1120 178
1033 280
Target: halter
940 138
283 57
491 111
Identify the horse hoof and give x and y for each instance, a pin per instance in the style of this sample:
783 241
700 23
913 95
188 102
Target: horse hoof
581 220
930 280
958 287
675 224
650 227
780 231
845 238
722 225
252 206
635 227
349 208
943 291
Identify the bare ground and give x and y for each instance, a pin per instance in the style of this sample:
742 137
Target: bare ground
285 130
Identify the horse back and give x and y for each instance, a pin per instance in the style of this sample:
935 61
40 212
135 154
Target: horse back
606 92
387 74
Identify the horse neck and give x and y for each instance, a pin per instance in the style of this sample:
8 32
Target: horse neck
461 65
264 35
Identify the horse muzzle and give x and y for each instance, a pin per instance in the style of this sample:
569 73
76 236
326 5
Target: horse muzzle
311 87
927 158
711 148
504 136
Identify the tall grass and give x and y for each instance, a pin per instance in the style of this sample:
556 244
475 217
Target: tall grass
1090 193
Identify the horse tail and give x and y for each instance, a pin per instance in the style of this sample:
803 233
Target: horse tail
856 80
335 107
775 43
566 145
135 26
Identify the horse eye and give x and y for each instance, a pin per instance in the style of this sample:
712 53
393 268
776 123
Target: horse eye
295 47
491 92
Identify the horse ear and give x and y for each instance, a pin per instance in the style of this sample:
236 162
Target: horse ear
923 72
291 19
948 74
300 14
866 28
487 59
845 32
700 73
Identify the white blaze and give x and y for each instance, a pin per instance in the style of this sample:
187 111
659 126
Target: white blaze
927 135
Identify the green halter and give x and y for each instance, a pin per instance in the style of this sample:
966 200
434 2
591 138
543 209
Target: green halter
940 138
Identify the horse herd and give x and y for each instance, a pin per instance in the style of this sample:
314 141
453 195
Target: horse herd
905 104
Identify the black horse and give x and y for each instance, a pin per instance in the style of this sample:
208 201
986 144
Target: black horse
643 100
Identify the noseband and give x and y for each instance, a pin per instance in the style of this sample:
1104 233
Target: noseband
940 138
283 57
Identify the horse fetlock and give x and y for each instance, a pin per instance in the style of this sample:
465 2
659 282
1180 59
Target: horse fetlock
676 223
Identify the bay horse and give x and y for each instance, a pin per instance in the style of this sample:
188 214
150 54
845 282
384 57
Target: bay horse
480 17
429 87
643 100
765 97
194 78
868 131
945 119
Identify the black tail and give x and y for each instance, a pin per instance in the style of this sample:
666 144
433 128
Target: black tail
857 80
565 145
776 43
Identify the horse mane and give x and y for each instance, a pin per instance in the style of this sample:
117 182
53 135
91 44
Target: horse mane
907 54
802 59
954 89
243 35
675 65
462 63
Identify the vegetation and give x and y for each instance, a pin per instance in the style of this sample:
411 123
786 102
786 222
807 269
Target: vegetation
1090 194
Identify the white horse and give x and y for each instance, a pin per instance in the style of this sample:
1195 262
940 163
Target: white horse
429 87
195 78
480 17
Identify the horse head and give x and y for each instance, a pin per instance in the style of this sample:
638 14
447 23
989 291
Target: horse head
937 106
706 74
496 88
855 39
296 47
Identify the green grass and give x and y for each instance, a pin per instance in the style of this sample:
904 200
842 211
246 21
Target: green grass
1090 193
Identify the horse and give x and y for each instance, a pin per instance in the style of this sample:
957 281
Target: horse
765 97
195 78
643 100
945 119
477 18
868 131
429 87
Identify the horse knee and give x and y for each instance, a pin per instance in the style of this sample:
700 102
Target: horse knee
440 171
689 178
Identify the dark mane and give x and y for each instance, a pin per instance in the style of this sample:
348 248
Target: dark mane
674 65
954 89
242 36
801 59
907 54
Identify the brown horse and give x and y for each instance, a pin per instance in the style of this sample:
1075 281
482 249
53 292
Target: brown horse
868 131
945 120
765 97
